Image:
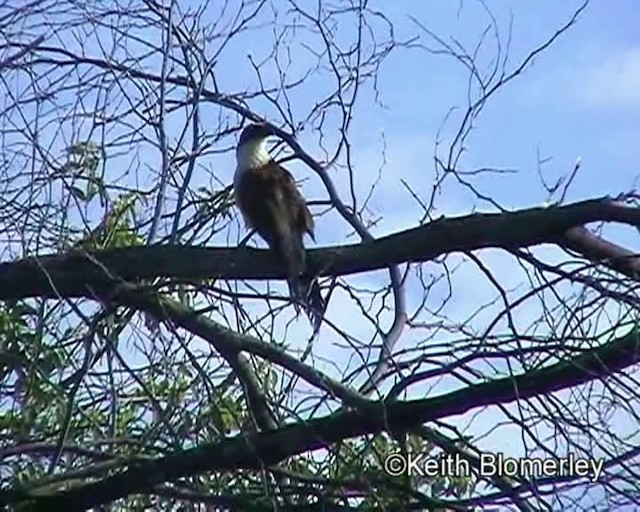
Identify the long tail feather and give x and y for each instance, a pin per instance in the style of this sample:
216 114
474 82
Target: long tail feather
312 300
304 289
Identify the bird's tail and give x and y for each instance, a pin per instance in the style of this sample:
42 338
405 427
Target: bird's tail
304 288
309 295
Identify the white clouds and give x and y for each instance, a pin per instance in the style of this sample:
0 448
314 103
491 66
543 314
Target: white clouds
594 78
613 82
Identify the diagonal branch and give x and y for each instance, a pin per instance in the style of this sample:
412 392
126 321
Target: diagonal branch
597 250
268 448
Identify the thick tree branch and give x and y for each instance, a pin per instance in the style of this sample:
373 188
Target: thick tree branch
597 250
79 274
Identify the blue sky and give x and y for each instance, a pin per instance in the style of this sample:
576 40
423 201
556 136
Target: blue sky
576 100
580 98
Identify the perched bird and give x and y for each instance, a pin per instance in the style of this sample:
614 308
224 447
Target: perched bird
271 203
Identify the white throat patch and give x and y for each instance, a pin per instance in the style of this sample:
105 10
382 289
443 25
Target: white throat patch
253 154
250 155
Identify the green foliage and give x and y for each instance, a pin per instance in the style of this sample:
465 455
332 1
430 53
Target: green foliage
117 228
29 364
194 417
82 164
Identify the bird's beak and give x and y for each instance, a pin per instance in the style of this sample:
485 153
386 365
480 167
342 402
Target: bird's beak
266 130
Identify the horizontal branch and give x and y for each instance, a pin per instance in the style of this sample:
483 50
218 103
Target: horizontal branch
76 274
256 451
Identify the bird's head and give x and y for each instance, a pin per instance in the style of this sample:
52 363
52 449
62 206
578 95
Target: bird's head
255 132
252 152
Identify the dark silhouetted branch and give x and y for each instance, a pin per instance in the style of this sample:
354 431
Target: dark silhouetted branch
80 274
264 449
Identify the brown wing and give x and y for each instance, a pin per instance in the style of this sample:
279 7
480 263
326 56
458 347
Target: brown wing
301 213
272 204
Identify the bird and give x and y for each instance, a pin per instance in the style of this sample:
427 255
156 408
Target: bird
271 204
